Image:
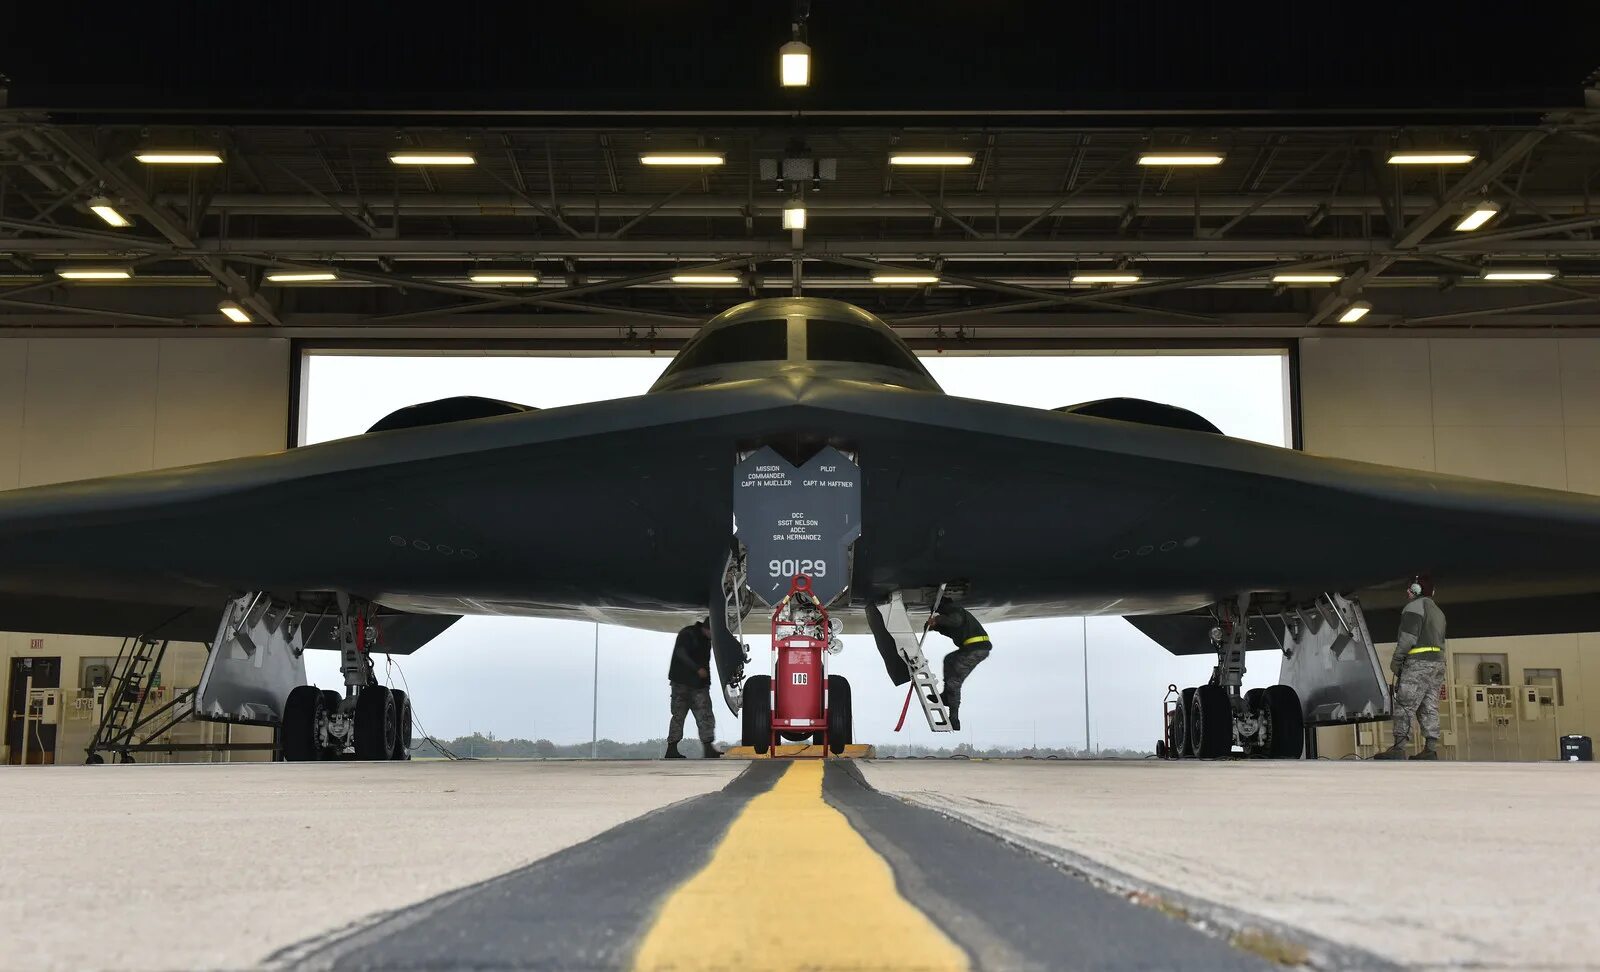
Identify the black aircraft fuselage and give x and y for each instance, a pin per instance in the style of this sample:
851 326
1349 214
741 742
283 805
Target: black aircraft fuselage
621 510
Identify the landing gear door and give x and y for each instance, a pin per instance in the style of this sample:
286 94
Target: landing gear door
797 520
255 662
1330 660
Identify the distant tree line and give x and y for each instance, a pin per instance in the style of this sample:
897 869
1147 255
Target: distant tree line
487 746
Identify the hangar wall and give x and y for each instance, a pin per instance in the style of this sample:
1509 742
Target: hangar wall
76 408
1523 410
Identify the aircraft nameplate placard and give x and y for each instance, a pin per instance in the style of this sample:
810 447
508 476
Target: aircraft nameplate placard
797 520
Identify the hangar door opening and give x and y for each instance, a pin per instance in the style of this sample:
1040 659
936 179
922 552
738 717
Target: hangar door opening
570 683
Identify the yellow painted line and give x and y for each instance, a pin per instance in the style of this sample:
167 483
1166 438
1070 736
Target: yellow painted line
793 886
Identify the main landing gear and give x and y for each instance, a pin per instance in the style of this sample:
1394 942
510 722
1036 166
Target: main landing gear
1212 720
369 721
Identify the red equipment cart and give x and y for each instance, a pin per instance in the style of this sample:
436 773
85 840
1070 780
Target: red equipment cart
799 701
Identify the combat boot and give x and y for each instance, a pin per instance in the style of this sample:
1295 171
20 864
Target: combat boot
1397 751
1430 750
710 751
672 753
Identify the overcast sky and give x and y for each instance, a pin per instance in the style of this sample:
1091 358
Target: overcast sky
536 679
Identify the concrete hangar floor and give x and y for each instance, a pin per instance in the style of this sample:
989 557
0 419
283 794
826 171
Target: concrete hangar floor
882 864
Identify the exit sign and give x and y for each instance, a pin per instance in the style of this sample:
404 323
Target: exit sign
36 644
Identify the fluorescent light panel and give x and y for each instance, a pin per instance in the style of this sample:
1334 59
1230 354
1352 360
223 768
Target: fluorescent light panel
94 273
504 277
794 64
1107 277
233 312
1480 214
302 276
706 278
432 158
794 216
1355 312
1181 158
682 158
1519 273
179 157
931 158
905 278
1307 278
103 208
1431 158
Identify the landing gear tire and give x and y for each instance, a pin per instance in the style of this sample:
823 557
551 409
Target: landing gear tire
1161 749
300 736
1181 742
1211 722
376 729
1286 735
95 759
756 713
402 722
841 721
1255 701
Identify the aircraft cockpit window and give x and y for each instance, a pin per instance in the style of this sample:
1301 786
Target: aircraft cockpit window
744 341
843 341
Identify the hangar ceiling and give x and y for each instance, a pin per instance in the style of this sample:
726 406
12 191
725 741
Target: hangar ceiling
569 200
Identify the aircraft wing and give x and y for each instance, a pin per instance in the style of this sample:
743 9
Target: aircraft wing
621 511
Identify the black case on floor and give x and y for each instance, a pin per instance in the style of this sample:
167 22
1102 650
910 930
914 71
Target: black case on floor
1577 747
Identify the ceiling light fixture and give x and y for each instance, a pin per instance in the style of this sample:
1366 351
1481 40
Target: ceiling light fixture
1481 213
716 279
794 64
931 158
1181 158
1519 273
682 158
233 312
794 215
503 277
94 273
302 276
1118 277
106 210
1307 278
432 158
1431 158
1355 312
179 157
905 278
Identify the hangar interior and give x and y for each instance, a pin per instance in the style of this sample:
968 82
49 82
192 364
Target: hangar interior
151 312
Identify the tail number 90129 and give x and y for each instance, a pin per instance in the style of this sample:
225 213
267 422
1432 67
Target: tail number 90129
789 568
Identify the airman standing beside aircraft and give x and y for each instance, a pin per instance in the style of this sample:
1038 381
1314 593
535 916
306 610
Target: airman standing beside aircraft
1418 666
690 675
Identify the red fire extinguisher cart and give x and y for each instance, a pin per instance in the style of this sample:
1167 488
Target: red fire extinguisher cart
799 701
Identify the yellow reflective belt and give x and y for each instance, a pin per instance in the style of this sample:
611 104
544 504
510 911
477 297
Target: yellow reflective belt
978 638
1418 651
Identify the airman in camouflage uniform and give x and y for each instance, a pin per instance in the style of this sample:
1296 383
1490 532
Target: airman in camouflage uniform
1418 666
690 675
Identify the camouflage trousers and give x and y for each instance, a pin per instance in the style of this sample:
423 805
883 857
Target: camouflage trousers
957 666
1417 692
685 698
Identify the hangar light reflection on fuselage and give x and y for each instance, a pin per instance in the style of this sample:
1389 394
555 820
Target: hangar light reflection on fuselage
796 337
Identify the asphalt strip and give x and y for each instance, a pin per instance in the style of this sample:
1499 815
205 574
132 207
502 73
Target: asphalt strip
584 907
1011 909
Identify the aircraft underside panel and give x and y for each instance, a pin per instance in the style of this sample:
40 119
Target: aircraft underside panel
621 509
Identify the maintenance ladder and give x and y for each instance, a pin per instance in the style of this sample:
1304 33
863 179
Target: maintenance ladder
138 661
908 642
